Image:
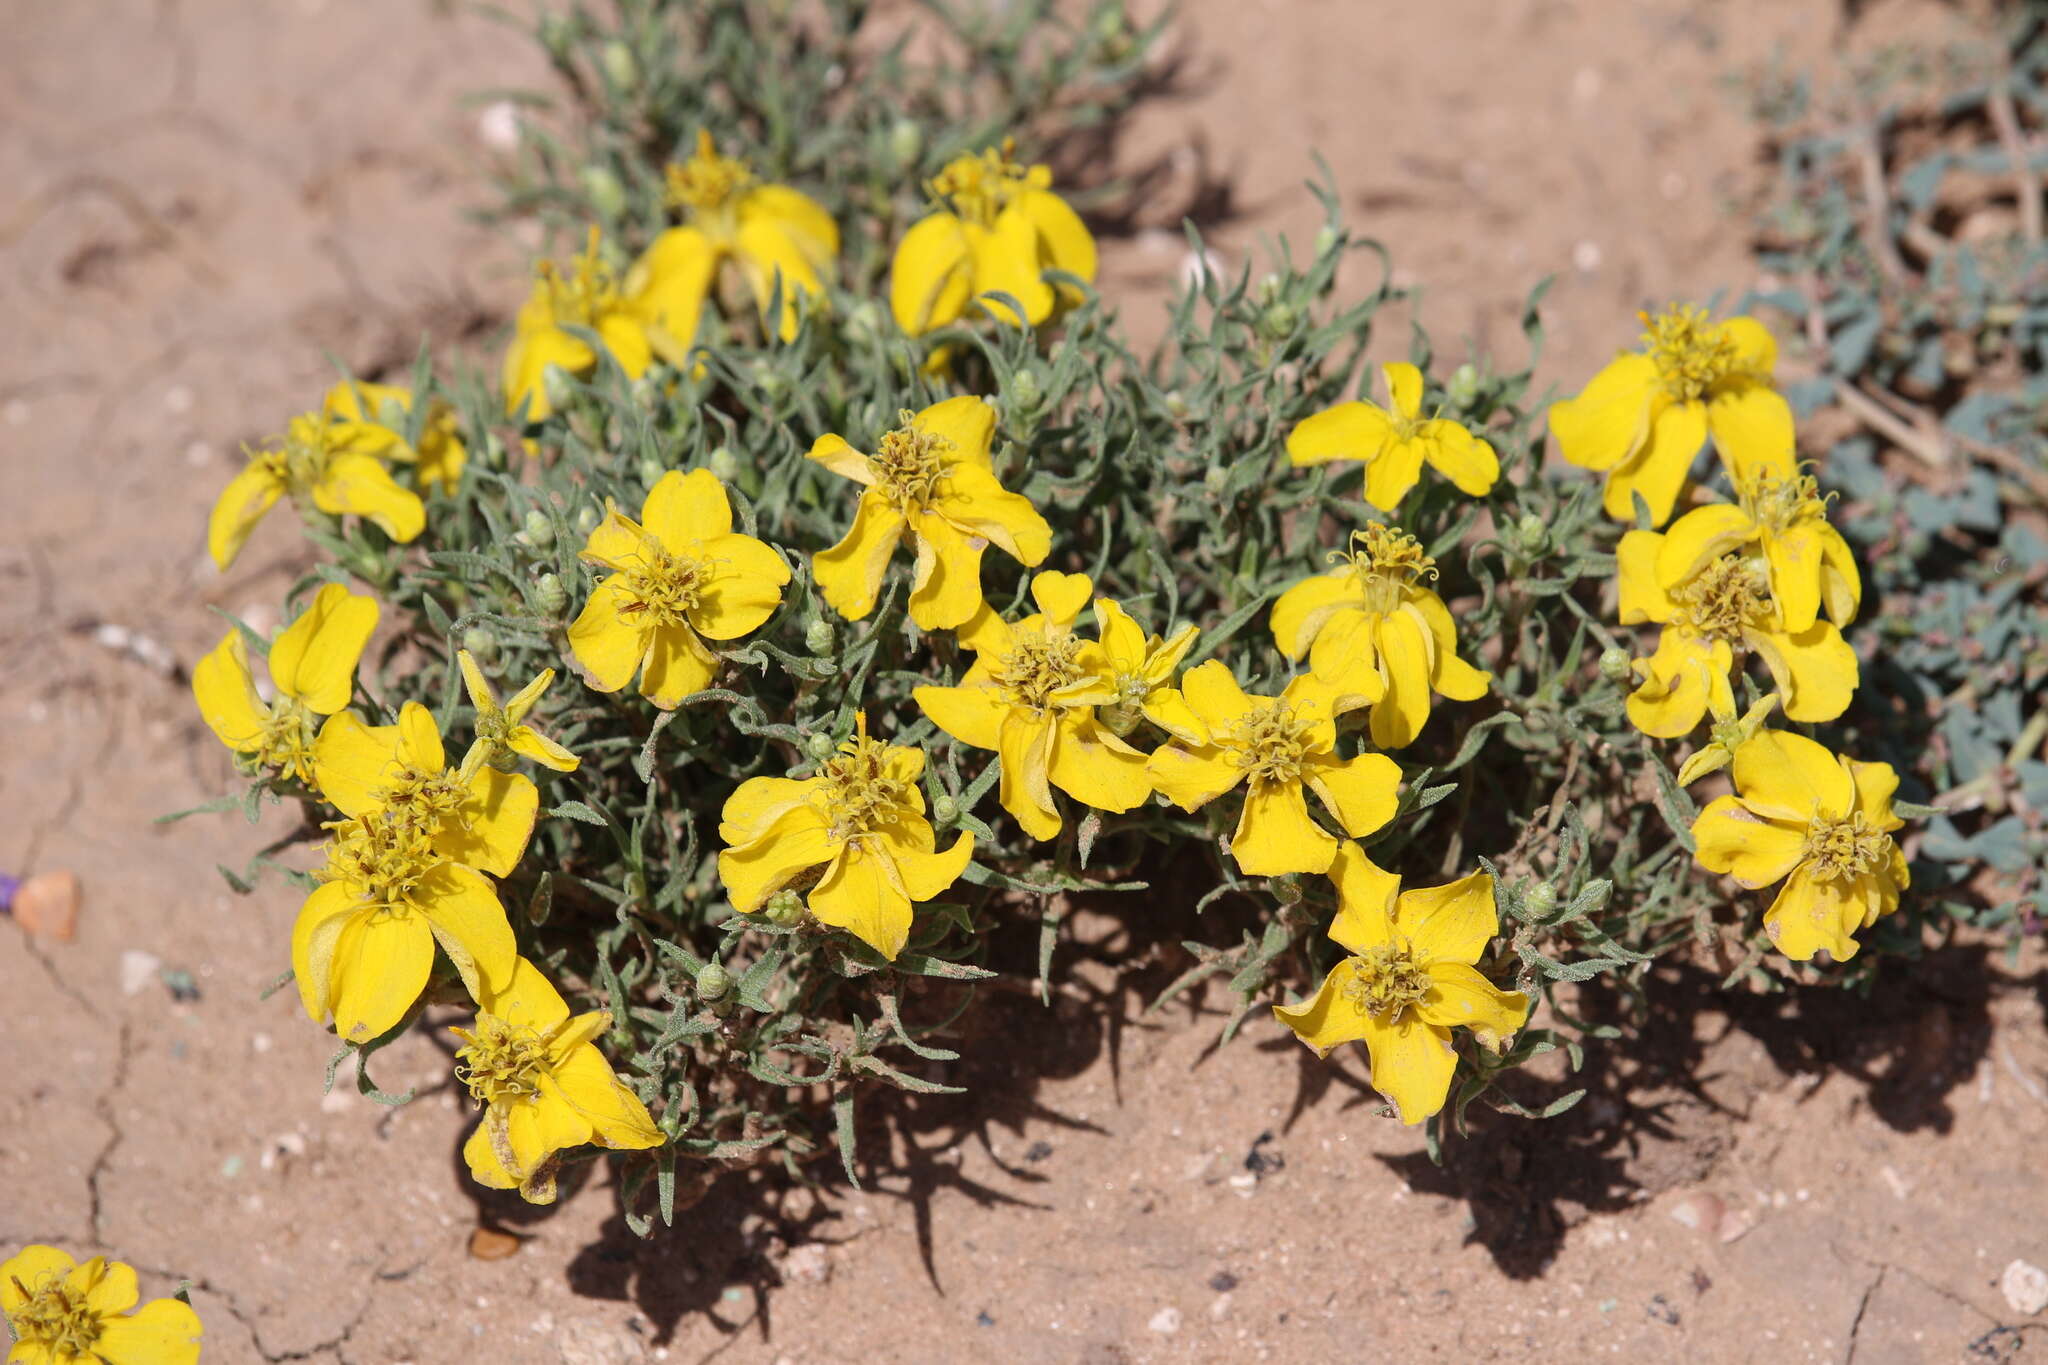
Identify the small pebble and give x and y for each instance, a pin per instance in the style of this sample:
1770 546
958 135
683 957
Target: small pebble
1699 1211
46 905
1165 1322
138 969
806 1264
490 1244
2025 1286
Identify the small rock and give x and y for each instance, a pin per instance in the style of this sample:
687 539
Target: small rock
1219 1307
1659 1309
1037 1152
1165 1322
1736 1224
1699 1211
337 1102
2025 1286
138 969
1223 1282
808 1263
1244 1183
47 905
590 1342
491 1244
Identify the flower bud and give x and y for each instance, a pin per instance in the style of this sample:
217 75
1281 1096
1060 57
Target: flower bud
1326 240
556 33
551 595
1278 321
1615 664
587 518
1463 388
864 323
784 908
1176 405
619 67
493 451
558 385
1532 533
945 810
538 528
1024 392
1540 899
713 982
819 745
819 636
906 143
725 464
650 470
480 642
604 191
1216 480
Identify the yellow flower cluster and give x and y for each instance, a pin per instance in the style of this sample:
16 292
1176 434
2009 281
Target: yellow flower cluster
62 1312
1764 576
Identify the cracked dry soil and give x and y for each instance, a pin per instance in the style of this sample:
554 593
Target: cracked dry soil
208 199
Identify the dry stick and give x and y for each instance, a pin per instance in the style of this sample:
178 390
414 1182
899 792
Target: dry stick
1924 445
2005 118
1925 427
1877 198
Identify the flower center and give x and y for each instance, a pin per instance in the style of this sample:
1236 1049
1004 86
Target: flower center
1778 504
981 186
431 797
1272 742
1843 849
587 293
383 854
708 185
287 740
1724 598
1386 980
1692 353
1037 666
911 463
860 796
52 1319
1388 562
500 1062
666 587
308 445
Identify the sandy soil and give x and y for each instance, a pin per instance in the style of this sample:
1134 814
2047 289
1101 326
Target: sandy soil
207 199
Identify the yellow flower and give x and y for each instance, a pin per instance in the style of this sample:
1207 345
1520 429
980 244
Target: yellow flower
543 1085
929 481
862 819
502 731
333 465
1002 229
1141 673
1780 517
313 666
768 230
1377 636
1394 444
65 1313
1645 416
637 319
363 945
1031 696
377 415
1821 823
482 818
1723 608
1408 982
1280 748
679 576
1730 731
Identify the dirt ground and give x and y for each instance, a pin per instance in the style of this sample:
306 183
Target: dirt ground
207 199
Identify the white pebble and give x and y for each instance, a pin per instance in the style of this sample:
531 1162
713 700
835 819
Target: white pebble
1165 1322
1587 257
138 969
498 125
2025 1286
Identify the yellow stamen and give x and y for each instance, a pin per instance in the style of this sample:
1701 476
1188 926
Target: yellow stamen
912 463
384 853
63 1326
501 1062
708 184
979 187
588 293
664 587
1037 666
1778 504
1724 599
1272 742
287 740
1388 562
1386 980
1692 353
860 796
1841 850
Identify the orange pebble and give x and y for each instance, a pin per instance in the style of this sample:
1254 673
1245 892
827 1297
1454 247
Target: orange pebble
47 905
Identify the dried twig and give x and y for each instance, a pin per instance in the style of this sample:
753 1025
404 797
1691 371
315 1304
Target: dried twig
1877 201
2006 120
1928 445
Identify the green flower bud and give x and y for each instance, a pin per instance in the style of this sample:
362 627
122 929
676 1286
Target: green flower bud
1216 480
493 451
551 595
864 323
1615 664
587 518
556 33
819 636
1532 533
945 810
784 908
604 191
820 746
713 982
480 642
651 470
1278 321
1540 899
538 528
906 143
559 385
1326 240
1463 388
619 67
1176 405
725 465
1024 392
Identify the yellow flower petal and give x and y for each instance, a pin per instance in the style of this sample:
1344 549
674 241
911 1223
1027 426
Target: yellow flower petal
226 694
353 761
1816 669
1062 597
1406 662
1166 708
744 590
1841 583
932 277
315 933
1345 658
1460 997
1362 792
487 1165
106 1286
972 715
1875 784
469 923
357 485
926 873
809 227
1451 676
1365 900
1643 596
850 573
603 648
243 503
1468 461
585 1084
1810 916
1412 1064
859 894
1212 690
682 508
1275 834
1790 777
1753 431
842 459
767 253
1328 1019
1449 923
1659 468
1348 431
1404 388
614 542
1192 776
1067 244
946 584
525 997
979 506
527 361
1096 768
314 659
1301 613
380 966
1389 478
33 1265
528 742
1007 259
668 285
795 840
629 341
678 666
1794 564
1609 420
1754 850
1696 539
1678 681
1025 743
161 1332
967 420
490 830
